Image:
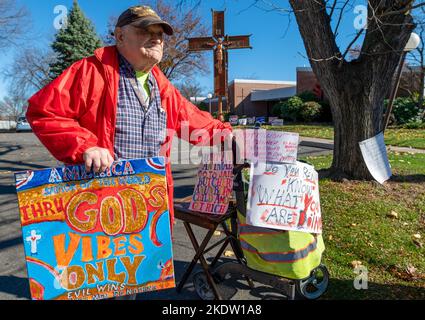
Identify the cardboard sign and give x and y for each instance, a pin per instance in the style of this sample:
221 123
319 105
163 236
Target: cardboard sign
243 122
95 236
271 119
233 120
284 197
277 122
214 187
250 120
266 145
375 156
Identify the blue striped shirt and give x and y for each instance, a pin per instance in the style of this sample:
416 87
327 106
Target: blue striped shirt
140 129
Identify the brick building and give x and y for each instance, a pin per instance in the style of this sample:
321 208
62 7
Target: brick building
257 97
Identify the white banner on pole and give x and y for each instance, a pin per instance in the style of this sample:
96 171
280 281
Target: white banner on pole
375 156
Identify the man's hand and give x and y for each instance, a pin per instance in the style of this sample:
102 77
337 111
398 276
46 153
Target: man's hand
99 158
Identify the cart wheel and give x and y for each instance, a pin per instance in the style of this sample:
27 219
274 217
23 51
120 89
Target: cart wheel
315 285
202 287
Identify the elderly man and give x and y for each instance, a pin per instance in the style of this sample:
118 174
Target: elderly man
117 104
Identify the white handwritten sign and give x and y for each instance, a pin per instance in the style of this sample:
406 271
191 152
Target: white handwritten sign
266 145
233 120
284 197
375 156
213 190
277 122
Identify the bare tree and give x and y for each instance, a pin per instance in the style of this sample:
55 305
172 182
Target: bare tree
30 69
177 62
13 22
356 89
190 89
12 106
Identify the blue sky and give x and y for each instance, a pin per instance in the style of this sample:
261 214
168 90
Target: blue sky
277 49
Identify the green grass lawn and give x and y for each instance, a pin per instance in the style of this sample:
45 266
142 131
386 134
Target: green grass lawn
414 138
356 227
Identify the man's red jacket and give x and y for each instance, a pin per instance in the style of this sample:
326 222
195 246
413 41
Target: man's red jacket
77 111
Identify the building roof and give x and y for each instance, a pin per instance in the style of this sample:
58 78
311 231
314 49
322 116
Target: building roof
273 94
253 81
305 69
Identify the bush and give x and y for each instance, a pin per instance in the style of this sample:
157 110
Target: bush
310 111
416 124
277 109
204 106
308 96
405 110
291 109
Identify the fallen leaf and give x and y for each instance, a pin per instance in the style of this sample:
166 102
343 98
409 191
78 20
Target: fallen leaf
356 263
330 237
417 236
411 270
217 233
354 224
405 224
229 253
393 214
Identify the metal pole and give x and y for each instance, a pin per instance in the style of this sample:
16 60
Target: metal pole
394 92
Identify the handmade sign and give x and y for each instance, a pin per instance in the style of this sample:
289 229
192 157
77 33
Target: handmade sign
284 197
375 156
266 145
276 122
271 119
233 120
95 236
214 187
243 122
250 120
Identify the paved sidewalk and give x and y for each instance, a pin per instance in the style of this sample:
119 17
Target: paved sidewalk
329 144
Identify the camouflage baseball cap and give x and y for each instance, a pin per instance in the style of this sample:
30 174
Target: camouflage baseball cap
142 16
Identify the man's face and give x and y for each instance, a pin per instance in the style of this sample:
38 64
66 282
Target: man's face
140 45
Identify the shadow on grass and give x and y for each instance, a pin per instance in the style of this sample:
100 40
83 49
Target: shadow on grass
412 178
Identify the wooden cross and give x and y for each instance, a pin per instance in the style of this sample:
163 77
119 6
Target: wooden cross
220 43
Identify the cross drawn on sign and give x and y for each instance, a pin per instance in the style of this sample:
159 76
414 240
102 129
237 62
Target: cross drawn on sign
220 43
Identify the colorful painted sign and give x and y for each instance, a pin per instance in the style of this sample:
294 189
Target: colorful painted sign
94 236
261 145
214 187
261 120
284 197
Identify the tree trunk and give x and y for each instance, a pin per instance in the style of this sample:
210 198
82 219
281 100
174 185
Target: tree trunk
357 89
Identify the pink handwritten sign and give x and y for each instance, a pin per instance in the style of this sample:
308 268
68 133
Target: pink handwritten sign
214 187
266 145
284 197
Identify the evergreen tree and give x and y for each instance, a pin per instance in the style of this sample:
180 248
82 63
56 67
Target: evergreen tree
74 41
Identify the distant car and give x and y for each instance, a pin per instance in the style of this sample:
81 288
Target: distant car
23 125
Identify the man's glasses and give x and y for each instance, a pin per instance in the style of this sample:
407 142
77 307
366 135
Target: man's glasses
146 33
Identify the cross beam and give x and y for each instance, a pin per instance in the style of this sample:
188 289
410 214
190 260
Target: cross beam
220 44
